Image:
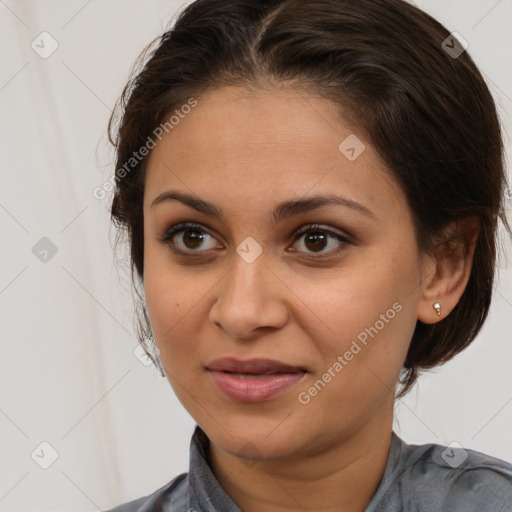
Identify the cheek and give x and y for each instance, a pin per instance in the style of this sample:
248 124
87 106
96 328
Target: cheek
166 308
164 304
371 316
174 301
361 367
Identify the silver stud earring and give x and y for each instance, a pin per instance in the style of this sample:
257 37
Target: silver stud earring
437 307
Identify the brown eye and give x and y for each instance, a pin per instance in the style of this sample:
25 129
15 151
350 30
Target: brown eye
315 241
193 237
317 238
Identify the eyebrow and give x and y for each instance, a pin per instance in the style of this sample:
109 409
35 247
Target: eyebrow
282 211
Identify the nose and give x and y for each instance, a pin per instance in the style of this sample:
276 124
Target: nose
251 298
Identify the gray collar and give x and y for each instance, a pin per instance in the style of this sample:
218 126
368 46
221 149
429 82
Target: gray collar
205 494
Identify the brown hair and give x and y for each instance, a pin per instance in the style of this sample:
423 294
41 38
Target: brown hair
427 112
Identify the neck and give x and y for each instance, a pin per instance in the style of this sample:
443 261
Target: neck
341 475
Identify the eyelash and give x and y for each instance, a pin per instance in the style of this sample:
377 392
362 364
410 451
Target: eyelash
169 234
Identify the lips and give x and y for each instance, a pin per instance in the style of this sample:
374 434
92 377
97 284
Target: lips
254 380
252 366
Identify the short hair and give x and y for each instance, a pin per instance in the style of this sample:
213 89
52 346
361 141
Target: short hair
426 110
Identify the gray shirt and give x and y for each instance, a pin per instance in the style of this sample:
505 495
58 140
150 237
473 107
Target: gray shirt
417 478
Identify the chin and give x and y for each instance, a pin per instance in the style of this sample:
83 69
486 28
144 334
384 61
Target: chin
255 439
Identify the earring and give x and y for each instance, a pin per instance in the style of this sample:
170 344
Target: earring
156 356
437 307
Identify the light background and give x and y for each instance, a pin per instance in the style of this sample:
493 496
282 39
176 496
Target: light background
69 376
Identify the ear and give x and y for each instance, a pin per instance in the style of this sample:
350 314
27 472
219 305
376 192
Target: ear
444 278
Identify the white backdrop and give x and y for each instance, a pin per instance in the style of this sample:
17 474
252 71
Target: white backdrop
85 424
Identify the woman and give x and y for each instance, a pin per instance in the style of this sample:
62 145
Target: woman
311 192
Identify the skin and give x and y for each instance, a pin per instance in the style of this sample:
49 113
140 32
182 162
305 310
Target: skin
246 151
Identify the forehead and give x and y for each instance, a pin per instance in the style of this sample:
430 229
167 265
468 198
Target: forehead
239 147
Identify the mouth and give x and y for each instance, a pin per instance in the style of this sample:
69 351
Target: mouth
257 375
253 367
255 380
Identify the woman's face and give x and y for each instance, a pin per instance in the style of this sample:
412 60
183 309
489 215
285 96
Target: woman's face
245 287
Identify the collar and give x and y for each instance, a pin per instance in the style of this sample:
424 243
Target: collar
205 493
